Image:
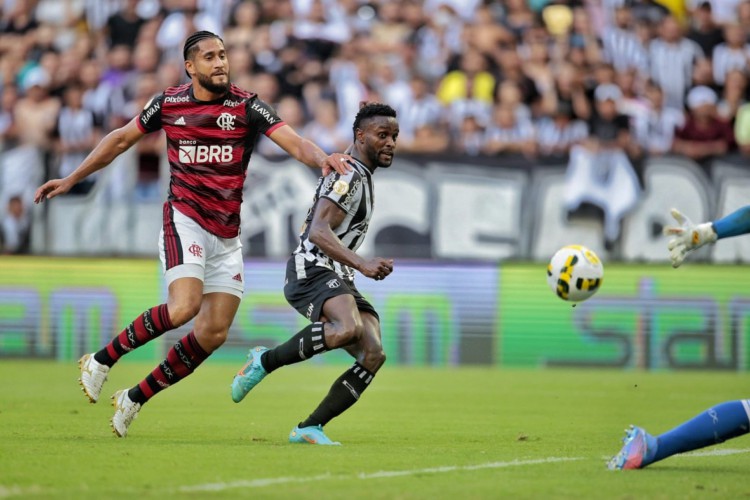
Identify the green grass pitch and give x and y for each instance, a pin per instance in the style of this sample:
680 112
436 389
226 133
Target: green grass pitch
417 433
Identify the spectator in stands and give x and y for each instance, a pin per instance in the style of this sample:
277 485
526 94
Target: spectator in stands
148 180
392 82
655 129
704 134
509 94
599 172
703 74
512 68
321 27
436 42
703 29
485 33
733 54
423 109
556 134
266 86
733 96
36 112
742 129
123 26
242 23
294 116
468 138
509 134
651 11
538 67
723 11
609 128
584 35
16 227
672 57
621 46
633 104
8 127
76 135
517 18
470 82
389 29
743 16
325 129
570 90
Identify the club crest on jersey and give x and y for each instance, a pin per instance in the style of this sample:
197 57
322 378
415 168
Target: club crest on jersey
196 250
225 121
334 283
340 187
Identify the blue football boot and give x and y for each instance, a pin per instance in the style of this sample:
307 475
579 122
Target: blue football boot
637 452
310 435
249 375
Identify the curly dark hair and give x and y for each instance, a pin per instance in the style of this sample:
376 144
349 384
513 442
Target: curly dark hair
371 110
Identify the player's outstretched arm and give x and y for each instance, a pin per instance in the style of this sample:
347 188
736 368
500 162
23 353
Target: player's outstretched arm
687 237
734 224
115 143
329 215
307 152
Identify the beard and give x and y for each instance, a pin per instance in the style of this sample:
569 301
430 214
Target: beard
214 88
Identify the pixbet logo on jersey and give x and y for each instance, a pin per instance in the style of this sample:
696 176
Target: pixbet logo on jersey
206 154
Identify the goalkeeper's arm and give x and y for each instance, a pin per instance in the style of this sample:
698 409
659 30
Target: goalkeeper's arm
734 224
689 236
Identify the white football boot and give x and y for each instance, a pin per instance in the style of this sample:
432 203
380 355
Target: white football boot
93 376
125 411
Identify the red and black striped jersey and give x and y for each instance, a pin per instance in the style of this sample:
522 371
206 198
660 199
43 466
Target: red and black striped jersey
209 144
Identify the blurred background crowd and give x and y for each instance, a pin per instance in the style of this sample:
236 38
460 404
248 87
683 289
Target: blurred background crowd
570 79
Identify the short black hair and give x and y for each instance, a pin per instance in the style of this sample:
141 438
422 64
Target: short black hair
371 110
191 44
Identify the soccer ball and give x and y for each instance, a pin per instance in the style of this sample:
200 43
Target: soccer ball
575 273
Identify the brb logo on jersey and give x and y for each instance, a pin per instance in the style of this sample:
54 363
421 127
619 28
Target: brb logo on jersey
191 153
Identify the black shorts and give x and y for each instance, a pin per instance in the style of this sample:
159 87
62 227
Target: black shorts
307 295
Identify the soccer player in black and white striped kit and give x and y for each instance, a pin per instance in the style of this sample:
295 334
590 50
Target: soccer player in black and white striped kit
320 279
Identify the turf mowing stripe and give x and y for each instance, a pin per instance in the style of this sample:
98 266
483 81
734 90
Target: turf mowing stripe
260 483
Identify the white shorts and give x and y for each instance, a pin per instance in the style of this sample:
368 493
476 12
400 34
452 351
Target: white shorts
187 250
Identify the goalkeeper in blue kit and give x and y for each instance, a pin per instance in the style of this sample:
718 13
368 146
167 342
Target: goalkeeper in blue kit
721 422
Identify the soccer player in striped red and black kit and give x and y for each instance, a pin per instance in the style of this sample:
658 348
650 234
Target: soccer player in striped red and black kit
212 127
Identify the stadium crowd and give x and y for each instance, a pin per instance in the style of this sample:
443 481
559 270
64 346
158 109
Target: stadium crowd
562 78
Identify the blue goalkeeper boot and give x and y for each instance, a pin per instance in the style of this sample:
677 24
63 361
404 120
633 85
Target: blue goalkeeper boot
637 452
249 375
310 435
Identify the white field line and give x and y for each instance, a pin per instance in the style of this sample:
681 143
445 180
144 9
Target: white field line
260 483
714 453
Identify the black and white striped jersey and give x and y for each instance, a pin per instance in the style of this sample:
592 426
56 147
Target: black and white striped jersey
353 193
726 59
623 49
672 67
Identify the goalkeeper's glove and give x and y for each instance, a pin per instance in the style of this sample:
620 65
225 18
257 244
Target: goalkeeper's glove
687 237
